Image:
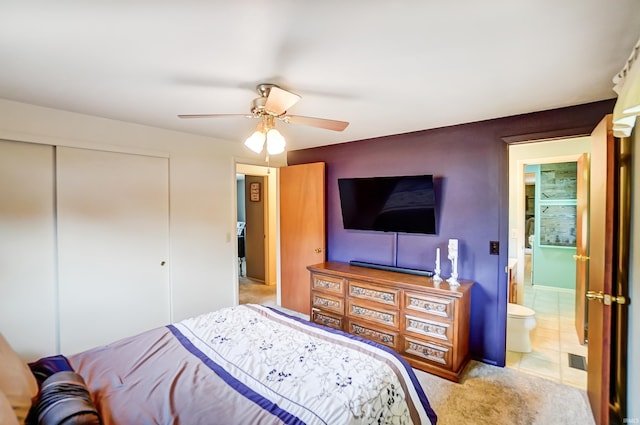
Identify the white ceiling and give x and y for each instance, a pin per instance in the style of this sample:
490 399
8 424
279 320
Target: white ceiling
387 67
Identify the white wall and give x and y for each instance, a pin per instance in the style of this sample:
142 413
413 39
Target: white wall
202 193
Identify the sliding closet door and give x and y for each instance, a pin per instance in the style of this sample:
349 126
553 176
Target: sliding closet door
27 248
113 215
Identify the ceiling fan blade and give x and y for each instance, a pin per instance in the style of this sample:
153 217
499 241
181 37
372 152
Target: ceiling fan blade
317 122
280 100
216 115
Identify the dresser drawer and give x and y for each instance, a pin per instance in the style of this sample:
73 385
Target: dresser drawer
329 284
381 336
431 304
323 318
327 302
373 313
426 323
442 330
375 293
437 354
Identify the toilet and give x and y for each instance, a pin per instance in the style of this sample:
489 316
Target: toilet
520 321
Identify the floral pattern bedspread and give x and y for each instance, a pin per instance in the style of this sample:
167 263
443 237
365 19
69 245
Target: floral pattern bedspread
302 372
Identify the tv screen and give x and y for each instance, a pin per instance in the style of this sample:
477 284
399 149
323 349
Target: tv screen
403 204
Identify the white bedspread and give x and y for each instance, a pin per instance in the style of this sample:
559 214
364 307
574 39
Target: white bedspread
318 376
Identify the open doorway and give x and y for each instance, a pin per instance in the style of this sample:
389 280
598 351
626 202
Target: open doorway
555 350
256 217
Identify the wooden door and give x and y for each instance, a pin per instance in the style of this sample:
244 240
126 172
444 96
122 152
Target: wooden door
582 246
302 231
255 236
113 229
601 229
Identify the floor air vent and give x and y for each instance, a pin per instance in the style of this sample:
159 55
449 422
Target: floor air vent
577 362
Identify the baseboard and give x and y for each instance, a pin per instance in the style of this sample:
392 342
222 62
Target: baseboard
490 362
554 288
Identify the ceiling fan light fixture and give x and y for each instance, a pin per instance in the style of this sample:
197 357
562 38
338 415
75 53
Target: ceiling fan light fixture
255 142
273 104
275 142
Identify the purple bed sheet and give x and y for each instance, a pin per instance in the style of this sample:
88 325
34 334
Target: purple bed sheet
250 365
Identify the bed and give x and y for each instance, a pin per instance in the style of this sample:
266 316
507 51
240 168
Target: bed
249 364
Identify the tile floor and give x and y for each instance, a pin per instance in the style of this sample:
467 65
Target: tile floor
552 339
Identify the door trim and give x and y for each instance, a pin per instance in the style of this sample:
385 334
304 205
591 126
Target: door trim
520 208
270 196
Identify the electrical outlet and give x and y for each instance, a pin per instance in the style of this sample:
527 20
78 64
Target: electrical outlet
494 247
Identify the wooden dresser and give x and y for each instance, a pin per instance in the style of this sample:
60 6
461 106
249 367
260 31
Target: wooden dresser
427 324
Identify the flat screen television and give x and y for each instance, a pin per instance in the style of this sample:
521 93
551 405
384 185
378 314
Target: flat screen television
404 204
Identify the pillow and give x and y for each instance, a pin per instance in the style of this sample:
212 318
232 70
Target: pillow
65 399
17 383
47 366
7 416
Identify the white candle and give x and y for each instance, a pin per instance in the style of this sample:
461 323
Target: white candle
438 259
453 249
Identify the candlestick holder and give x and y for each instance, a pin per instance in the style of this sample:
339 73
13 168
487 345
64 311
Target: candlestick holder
436 272
453 256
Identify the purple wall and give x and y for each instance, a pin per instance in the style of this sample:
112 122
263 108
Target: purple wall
469 163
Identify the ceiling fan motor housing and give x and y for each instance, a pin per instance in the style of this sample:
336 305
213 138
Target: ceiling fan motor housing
264 89
257 106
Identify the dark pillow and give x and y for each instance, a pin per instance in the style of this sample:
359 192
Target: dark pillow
65 400
47 366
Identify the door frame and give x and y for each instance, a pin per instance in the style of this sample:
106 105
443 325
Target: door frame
601 413
583 195
270 198
609 259
520 229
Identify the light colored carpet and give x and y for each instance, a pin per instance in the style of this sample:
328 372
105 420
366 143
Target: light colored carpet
493 395
254 292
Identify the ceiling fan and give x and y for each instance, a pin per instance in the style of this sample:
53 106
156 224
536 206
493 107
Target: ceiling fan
270 106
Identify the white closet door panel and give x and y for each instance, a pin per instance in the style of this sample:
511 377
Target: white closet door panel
113 223
27 248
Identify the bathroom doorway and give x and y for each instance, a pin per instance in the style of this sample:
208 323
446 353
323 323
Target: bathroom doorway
556 351
256 217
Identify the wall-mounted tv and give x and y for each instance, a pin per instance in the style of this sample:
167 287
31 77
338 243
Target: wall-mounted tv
404 204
